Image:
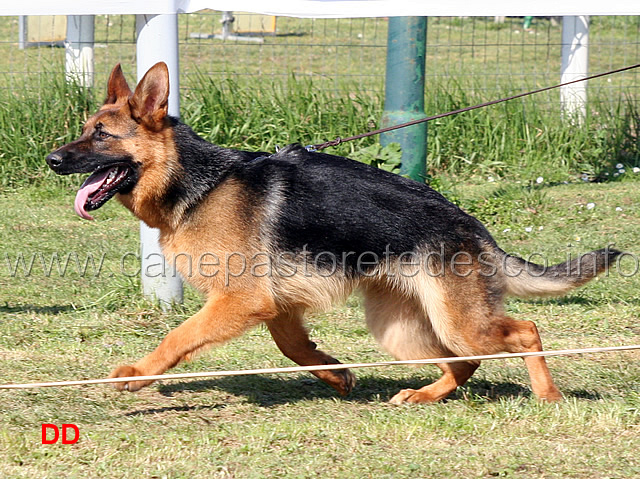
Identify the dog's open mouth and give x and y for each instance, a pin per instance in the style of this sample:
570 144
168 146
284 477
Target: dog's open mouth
99 188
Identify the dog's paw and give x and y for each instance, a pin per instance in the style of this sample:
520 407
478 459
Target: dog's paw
411 396
346 383
128 371
552 395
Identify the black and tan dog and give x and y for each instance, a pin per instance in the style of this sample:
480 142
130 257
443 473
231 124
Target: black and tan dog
266 238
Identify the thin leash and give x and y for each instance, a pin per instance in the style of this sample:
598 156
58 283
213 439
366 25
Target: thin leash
321 367
339 140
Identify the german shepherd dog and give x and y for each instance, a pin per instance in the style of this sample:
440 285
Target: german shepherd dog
273 236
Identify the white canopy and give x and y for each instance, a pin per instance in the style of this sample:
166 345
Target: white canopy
327 8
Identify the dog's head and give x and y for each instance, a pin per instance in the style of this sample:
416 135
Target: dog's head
124 140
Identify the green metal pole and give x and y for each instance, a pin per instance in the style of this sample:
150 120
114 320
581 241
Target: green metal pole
404 92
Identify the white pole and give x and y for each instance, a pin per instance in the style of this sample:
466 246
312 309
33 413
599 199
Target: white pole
227 20
79 49
157 41
22 32
575 65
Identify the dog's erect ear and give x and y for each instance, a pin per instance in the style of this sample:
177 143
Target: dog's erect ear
150 102
117 88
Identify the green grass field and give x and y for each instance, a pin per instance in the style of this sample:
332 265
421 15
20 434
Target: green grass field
81 315
68 326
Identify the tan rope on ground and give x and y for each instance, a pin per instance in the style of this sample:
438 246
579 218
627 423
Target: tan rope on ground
323 367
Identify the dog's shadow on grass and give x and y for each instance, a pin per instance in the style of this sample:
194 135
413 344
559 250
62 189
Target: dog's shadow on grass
270 392
267 391
35 309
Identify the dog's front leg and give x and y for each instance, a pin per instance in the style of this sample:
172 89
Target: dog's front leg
222 318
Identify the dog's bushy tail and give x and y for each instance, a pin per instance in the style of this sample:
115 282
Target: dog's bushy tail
529 279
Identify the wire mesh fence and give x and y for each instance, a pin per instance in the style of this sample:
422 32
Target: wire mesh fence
477 56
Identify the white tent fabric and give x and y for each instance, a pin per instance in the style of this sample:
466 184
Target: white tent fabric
327 8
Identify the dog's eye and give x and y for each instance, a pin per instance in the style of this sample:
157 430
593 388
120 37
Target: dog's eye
102 135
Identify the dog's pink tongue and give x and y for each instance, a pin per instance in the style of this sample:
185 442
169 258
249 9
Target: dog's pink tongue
91 185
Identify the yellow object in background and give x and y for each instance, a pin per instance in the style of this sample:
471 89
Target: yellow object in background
48 29
254 23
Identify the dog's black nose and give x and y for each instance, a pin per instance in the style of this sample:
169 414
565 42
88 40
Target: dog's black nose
54 160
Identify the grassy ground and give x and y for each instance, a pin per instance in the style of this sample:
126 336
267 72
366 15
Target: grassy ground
60 326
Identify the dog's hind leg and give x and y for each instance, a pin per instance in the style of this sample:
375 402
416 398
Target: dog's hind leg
466 316
472 325
293 340
222 318
402 328
513 336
